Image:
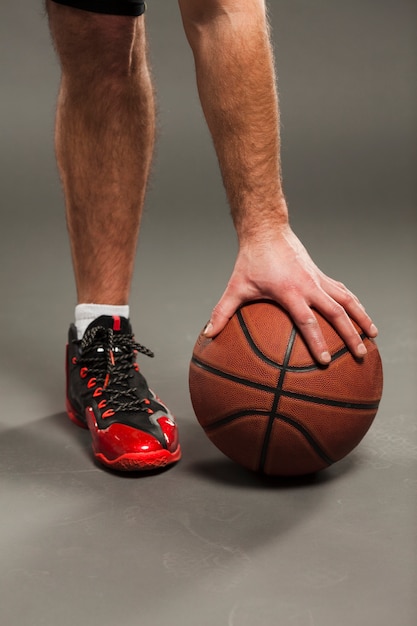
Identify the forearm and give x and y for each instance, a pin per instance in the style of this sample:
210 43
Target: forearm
236 81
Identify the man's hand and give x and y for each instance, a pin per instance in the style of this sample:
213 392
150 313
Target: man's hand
280 269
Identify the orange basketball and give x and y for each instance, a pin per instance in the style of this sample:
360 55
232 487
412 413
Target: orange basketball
265 403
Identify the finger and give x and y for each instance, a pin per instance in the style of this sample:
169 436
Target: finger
222 312
352 306
307 324
337 316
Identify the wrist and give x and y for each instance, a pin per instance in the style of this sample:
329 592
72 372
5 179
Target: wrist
262 225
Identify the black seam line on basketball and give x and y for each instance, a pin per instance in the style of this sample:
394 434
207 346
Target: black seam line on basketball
235 379
258 352
235 416
329 402
284 393
290 368
277 396
284 418
301 429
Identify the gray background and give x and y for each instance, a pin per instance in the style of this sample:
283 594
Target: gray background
207 543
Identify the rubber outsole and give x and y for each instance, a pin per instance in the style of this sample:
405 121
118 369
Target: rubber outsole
140 462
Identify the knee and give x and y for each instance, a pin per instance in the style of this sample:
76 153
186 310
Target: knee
201 12
197 14
91 45
203 19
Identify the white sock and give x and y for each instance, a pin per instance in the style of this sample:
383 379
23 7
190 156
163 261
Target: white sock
86 313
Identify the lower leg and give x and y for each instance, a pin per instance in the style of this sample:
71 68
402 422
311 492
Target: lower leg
104 142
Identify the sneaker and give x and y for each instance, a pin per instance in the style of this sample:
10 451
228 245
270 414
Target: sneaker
106 393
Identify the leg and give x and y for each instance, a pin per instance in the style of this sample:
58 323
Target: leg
104 143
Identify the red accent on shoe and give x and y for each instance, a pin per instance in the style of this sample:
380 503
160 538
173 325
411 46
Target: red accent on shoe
102 404
116 323
170 431
98 392
92 383
108 413
83 372
124 448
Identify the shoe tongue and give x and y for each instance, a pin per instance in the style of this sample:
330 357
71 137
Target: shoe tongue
115 322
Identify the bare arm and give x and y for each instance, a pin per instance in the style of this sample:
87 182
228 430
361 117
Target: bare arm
237 88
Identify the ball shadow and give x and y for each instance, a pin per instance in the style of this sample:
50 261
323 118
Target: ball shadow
224 471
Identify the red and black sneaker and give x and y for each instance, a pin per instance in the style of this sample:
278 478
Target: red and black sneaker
106 393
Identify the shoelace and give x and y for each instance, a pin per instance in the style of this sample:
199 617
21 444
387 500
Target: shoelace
119 353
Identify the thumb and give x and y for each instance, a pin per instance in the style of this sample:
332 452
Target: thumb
221 314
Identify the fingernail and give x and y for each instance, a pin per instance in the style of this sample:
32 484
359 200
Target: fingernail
208 328
362 349
373 330
325 357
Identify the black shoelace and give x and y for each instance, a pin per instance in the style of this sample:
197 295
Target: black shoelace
107 360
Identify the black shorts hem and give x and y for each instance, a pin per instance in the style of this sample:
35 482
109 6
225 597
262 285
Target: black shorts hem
108 7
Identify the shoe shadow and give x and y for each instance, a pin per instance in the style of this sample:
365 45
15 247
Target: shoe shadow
50 444
54 445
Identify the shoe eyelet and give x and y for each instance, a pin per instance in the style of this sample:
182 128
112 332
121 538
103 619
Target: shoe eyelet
74 360
108 413
102 404
92 383
83 372
98 392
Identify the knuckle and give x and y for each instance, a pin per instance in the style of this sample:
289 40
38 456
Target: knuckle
220 312
341 285
348 297
309 321
336 311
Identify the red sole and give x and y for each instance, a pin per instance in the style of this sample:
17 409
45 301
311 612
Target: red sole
135 462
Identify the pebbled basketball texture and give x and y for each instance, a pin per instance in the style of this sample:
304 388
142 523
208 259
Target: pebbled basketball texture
265 403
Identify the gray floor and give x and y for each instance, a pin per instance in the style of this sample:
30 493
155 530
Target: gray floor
207 543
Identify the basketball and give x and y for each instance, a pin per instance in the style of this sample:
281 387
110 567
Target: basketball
269 406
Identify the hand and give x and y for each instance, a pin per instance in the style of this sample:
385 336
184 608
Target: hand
281 270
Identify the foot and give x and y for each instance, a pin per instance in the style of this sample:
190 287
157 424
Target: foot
106 393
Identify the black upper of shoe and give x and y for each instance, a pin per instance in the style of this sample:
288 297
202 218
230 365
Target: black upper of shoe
103 374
